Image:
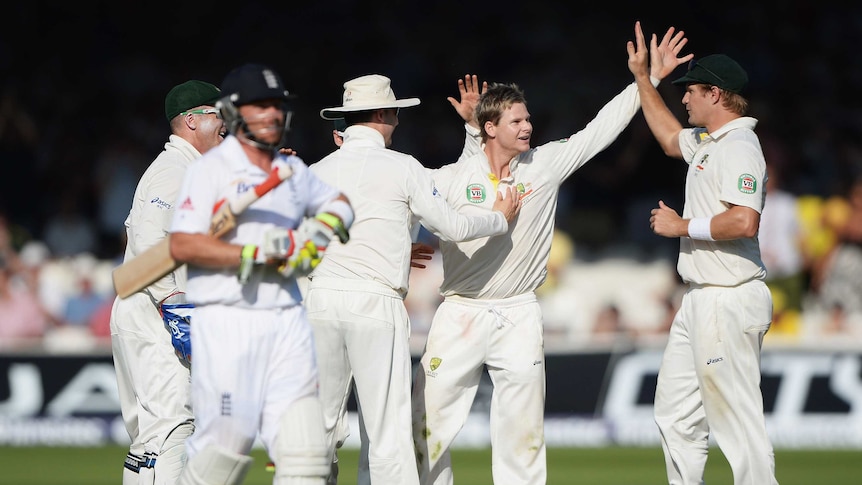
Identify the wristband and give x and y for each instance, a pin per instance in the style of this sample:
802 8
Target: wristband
336 225
328 219
246 262
341 209
698 228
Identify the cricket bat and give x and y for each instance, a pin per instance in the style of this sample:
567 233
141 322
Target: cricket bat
148 267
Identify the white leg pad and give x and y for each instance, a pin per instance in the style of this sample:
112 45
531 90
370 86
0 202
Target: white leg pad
301 456
216 466
172 456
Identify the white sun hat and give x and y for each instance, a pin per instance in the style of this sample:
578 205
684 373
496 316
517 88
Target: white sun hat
367 93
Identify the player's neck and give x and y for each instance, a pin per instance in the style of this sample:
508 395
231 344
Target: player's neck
499 160
259 157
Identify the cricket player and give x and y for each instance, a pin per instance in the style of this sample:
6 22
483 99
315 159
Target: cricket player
151 360
355 298
254 370
709 379
490 315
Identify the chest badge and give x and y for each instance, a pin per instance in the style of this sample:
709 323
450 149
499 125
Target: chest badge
476 193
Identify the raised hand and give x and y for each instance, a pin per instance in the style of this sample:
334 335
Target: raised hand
470 93
664 57
638 55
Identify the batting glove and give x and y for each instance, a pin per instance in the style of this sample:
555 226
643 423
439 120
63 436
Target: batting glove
302 248
296 252
176 313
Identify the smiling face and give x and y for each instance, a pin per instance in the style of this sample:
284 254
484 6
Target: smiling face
512 131
210 131
264 120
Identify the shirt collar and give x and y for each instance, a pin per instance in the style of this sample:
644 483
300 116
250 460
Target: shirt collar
742 122
362 133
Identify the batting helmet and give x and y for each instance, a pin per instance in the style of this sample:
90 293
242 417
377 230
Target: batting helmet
247 84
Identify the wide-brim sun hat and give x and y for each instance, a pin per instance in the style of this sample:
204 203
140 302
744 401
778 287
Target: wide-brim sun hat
367 93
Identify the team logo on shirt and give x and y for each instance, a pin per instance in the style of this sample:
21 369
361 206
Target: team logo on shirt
432 366
747 184
702 165
476 193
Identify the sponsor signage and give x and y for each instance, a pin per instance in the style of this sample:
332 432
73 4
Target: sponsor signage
812 400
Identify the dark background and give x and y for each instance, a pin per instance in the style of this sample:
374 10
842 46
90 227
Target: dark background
82 90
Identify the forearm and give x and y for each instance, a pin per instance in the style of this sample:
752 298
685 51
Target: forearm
736 223
661 121
204 250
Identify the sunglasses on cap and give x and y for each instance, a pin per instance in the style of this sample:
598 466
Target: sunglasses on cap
204 111
693 63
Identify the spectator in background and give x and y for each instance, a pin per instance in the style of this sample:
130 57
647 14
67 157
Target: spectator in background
69 231
83 305
117 170
21 314
781 242
840 293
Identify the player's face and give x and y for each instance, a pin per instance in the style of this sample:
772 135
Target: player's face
698 99
210 130
390 122
265 119
512 133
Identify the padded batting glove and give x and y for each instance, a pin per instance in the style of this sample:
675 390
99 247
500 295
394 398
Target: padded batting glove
176 313
302 248
296 252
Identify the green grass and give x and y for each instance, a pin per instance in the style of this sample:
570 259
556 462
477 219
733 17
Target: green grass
566 466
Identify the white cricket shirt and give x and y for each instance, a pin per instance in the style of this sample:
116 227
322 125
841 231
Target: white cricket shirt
152 209
225 172
389 192
725 167
516 263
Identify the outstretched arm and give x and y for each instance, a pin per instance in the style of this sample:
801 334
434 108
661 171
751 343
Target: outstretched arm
664 126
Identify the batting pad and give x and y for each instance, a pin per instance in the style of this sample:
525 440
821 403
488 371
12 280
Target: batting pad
216 466
301 456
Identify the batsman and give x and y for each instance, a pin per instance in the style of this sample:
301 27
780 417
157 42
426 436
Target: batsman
254 372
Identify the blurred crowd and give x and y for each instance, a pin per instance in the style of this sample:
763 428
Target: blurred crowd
78 127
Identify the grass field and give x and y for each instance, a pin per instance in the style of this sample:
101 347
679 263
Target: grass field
566 466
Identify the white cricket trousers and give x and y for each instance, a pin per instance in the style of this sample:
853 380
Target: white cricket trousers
709 384
362 331
248 368
154 386
465 336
